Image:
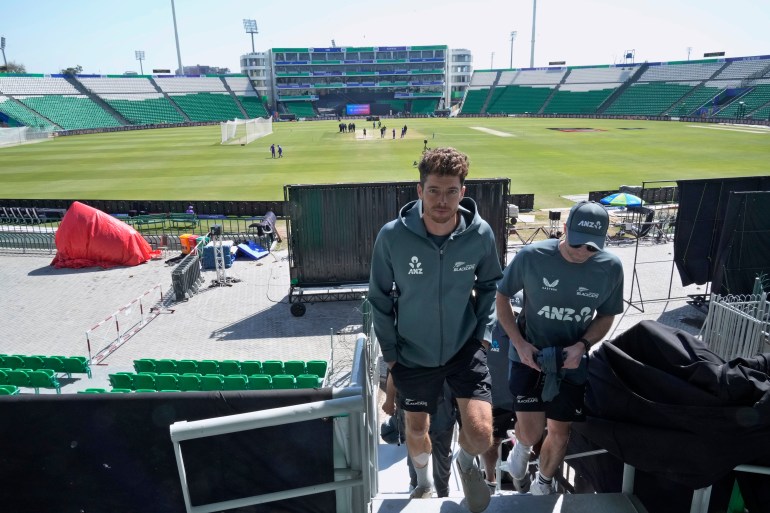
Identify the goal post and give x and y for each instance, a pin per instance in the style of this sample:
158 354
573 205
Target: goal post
244 131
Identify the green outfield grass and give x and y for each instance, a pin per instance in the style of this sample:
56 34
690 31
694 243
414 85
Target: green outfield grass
190 164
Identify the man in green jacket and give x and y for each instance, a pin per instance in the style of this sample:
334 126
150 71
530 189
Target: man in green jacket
432 289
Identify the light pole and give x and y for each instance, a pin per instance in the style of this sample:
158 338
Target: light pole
2 47
250 26
532 51
492 61
176 36
689 50
513 38
140 57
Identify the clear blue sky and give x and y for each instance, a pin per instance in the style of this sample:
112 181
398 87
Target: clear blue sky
101 36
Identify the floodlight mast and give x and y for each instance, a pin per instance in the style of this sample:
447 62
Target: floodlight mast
532 51
250 26
140 57
176 36
513 38
2 47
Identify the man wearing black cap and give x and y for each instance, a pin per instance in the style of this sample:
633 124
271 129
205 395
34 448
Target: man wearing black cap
573 291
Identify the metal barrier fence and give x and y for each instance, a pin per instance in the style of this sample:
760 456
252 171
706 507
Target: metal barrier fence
186 277
737 326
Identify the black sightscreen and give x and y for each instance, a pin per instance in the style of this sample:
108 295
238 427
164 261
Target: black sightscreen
702 206
744 247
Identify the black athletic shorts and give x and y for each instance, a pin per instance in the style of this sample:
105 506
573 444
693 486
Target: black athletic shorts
526 385
466 374
503 419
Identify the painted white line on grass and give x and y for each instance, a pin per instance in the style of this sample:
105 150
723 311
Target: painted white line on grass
731 129
492 132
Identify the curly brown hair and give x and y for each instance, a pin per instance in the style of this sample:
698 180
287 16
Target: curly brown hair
443 162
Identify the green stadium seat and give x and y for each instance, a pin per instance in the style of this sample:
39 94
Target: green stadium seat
317 367
55 363
260 382
283 381
9 390
17 377
165 366
13 361
76 365
308 381
294 367
272 367
92 391
208 367
251 367
144 380
145 390
229 367
120 391
33 362
234 382
122 380
166 381
186 366
144 365
43 378
189 382
211 382
3 376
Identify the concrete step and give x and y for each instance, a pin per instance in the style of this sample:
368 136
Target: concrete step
577 503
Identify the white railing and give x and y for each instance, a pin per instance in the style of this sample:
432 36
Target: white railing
737 326
354 410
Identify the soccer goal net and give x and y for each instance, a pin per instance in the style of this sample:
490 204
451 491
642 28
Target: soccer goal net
243 131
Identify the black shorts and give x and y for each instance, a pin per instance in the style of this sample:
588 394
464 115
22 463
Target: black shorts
466 374
502 420
526 385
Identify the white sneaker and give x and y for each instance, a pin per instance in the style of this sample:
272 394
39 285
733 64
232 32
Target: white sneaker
538 488
518 464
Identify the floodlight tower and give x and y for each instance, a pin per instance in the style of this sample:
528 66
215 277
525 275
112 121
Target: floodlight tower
2 47
689 50
140 57
513 38
532 51
492 61
250 26
176 36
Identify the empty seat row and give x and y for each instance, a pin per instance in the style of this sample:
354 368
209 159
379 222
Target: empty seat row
37 379
231 367
207 382
65 364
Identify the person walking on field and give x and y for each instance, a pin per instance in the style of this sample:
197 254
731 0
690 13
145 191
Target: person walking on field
280 152
432 286
272 150
572 292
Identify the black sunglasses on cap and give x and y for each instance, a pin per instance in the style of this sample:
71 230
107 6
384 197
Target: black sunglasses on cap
589 248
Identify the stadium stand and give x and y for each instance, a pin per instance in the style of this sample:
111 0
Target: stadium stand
661 72
576 99
35 85
144 108
474 100
692 103
752 100
648 99
518 99
743 69
22 114
301 109
190 84
207 106
114 85
70 112
551 76
423 105
600 75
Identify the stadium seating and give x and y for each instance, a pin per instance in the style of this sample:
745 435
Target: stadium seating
190 84
207 106
763 113
551 76
518 99
70 112
253 106
144 109
680 71
424 105
566 101
23 115
752 100
697 99
648 99
301 109
35 85
474 100
56 364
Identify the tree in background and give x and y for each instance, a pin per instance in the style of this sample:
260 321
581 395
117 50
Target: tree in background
13 68
77 70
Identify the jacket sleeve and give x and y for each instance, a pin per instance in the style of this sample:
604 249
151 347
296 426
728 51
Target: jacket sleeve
488 272
383 311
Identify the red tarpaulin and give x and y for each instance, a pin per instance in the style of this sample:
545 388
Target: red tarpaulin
88 237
